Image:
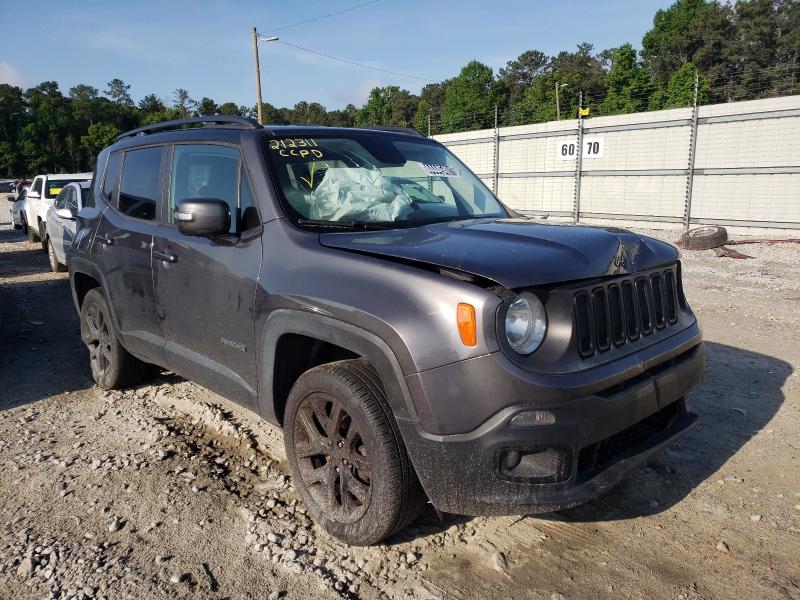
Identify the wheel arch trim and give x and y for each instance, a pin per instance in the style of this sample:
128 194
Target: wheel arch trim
327 329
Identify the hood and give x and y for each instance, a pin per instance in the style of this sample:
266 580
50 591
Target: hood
514 252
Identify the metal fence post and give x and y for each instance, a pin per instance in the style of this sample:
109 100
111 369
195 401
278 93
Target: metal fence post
579 161
687 210
496 158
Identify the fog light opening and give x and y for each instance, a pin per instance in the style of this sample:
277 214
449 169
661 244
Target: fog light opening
543 465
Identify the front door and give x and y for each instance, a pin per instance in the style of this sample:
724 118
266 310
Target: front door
205 289
123 243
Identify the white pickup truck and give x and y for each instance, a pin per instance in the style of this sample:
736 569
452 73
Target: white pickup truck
43 192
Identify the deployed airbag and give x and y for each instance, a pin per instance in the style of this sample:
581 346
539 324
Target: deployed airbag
358 194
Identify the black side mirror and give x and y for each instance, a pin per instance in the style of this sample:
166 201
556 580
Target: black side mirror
203 217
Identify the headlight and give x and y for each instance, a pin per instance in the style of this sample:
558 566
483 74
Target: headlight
526 323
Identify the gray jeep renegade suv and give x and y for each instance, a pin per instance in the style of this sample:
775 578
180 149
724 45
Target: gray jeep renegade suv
415 339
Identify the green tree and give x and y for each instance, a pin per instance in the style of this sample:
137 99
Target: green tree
119 92
680 90
628 85
151 104
519 74
343 118
13 118
183 105
97 137
470 99
84 101
422 118
387 105
673 40
207 107
228 108
42 138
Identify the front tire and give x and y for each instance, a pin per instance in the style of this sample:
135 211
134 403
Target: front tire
112 366
346 455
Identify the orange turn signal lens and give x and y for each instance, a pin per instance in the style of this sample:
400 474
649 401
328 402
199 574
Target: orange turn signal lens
467 327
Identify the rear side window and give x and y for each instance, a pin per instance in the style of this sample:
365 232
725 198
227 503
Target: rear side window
37 186
138 188
61 199
111 178
72 200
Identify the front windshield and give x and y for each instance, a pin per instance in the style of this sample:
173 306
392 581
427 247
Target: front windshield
376 179
54 186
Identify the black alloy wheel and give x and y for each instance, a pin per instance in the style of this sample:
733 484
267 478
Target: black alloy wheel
112 366
347 456
332 457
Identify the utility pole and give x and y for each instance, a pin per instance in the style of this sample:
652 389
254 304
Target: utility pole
258 78
558 99
558 103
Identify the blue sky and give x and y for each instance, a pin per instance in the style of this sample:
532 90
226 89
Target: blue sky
206 47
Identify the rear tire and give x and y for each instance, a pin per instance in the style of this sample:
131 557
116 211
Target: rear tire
112 366
55 266
346 455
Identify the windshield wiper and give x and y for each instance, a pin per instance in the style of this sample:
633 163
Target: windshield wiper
363 225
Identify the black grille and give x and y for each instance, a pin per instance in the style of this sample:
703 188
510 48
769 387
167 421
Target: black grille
623 310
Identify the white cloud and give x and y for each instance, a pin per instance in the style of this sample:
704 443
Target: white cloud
9 74
357 95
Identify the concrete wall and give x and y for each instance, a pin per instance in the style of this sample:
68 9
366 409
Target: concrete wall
745 170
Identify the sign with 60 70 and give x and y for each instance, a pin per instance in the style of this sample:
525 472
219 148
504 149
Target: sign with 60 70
593 147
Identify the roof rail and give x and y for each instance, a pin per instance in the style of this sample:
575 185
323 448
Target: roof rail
408 130
231 120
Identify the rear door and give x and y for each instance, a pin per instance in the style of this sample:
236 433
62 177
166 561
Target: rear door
205 289
123 242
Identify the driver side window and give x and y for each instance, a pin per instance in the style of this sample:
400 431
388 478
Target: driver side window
205 171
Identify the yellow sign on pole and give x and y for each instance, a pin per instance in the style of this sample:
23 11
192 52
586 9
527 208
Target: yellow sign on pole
585 112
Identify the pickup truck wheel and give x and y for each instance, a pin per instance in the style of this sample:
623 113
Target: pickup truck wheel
347 458
32 235
55 266
112 366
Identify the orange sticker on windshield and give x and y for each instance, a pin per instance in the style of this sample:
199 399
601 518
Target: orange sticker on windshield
300 147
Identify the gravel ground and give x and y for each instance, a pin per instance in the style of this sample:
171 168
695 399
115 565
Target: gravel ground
169 491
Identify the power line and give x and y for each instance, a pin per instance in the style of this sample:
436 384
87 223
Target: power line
352 62
333 14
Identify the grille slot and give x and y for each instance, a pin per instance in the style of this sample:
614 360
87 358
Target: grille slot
672 302
617 314
583 318
624 310
601 321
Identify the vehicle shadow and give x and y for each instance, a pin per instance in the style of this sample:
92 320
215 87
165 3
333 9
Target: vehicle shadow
741 394
41 353
11 235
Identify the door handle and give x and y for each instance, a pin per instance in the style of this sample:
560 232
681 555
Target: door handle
106 241
165 256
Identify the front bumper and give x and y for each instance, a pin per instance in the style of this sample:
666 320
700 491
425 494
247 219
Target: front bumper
590 442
